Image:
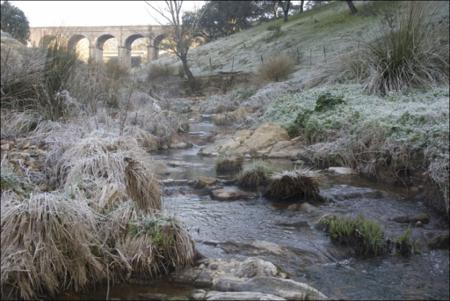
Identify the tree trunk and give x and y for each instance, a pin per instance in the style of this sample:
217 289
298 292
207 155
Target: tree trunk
301 5
352 7
286 7
189 75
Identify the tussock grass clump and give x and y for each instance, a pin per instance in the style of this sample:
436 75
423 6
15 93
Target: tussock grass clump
407 54
258 174
276 69
92 156
156 245
108 171
38 83
160 123
229 118
145 139
15 123
404 244
229 164
365 237
296 185
142 186
46 246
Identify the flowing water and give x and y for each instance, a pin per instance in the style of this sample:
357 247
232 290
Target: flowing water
258 227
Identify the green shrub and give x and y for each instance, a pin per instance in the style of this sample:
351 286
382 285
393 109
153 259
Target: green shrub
365 237
327 102
276 69
295 128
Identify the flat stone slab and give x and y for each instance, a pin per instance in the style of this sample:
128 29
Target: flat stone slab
342 170
230 194
215 295
251 279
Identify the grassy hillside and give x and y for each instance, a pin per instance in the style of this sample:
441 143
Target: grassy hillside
329 28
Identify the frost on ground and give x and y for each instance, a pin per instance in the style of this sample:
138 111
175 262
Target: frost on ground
402 133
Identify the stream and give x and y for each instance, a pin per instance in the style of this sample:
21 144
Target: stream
288 238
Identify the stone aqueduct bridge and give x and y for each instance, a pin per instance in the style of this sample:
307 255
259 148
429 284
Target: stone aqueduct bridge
98 35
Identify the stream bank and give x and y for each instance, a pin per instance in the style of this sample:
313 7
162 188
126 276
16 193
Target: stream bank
286 235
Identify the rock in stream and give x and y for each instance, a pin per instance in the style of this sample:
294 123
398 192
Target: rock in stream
251 279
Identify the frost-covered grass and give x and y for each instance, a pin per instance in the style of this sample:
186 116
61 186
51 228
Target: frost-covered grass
15 123
399 133
102 221
46 244
306 35
103 185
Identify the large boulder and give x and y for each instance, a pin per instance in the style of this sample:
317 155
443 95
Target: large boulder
266 135
203 181
257 143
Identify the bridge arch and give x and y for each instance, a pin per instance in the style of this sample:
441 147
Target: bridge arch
134 55
101 40
80 44
156 42
130 39
100 43
73 41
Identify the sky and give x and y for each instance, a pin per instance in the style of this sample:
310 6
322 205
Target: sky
94 13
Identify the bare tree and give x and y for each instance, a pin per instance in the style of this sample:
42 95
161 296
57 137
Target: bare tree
182 35
352 7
